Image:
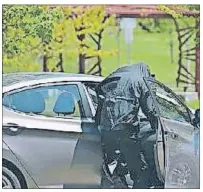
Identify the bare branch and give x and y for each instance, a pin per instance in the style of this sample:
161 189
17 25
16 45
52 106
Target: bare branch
93 67
90 57
93 38
84 45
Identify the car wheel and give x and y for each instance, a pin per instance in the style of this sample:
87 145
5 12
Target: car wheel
9 179
182 173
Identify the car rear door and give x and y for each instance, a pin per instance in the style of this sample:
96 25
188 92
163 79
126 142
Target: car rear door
87 160
58 150
176 134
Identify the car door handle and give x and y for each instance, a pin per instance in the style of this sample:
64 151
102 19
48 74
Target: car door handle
11 124
174 135
171 134
12 128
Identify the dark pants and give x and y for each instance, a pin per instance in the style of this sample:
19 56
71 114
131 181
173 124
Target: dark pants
110 141
127 142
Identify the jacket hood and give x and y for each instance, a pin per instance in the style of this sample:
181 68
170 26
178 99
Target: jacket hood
138 69
135 71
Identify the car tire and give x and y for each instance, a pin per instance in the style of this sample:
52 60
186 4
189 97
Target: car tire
182 173
10 180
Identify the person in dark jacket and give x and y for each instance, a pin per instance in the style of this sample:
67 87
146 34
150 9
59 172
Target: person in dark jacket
121 95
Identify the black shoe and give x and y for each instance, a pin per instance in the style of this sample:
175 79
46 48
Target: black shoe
119 183
139 184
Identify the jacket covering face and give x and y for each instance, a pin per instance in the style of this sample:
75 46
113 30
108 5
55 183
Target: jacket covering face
121 95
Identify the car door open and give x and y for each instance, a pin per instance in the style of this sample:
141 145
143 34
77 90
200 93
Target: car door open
176 133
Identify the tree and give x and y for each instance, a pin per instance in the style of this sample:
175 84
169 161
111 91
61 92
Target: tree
186 32
27 28
89 23
54 30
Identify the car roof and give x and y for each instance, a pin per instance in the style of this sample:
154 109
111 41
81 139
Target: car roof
22 79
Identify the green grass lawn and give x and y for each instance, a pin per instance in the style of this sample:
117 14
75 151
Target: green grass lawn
151 48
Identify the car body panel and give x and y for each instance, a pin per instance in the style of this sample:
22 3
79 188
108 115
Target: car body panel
55 158
180 145
46 154
42 78
87 161
159 151
41 122
56 151
9 155
176 144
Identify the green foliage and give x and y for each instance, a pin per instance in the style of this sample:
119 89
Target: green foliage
25 25
194 104
158 25
26 29
177 11
194 7
33 30
151 48
45 30
169 9
90 20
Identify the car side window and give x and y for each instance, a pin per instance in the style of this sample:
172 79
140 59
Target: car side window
169 106
91 89
51 101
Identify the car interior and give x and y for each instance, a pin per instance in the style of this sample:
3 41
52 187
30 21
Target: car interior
65 104
26 102
42 101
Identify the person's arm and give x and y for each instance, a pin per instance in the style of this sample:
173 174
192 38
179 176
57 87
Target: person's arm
147 105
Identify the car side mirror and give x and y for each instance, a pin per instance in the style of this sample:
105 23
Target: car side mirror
196 120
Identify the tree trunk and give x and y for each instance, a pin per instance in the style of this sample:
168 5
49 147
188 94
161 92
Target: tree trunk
156 23
99 57
81 63
45 58
60 64
45 68
99 65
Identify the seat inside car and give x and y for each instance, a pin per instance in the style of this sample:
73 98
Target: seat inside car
28 102
64 103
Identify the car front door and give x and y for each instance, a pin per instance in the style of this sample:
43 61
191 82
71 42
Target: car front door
181 152
59 148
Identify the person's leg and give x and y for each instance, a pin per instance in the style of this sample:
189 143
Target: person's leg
109 141
130 147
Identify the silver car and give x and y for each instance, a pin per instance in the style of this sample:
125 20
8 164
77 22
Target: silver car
50 139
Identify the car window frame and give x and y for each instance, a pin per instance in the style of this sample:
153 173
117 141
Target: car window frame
146 79
20 89
87 85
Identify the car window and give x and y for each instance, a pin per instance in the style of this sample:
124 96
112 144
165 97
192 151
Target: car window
49 101
169 106
91 88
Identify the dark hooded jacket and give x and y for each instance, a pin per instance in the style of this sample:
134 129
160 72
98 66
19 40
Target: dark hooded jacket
121 95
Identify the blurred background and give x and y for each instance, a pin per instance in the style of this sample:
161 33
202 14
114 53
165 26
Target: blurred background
97 39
